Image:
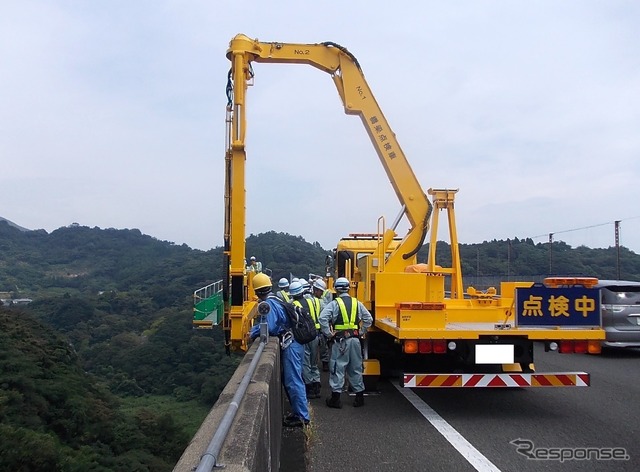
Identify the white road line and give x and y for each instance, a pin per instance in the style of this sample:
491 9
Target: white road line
464 447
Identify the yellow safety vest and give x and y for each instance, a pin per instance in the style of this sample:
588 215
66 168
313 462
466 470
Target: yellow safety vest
314 309
349 320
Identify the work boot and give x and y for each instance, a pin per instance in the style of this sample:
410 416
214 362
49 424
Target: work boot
293 421
311 390
334 400
325 366
316 389
359 401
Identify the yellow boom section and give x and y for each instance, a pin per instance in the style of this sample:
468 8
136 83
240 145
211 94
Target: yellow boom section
357 99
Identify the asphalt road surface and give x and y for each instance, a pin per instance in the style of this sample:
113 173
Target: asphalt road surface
593 428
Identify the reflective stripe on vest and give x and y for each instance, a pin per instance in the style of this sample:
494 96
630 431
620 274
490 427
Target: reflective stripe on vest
348 322
285 296
314 309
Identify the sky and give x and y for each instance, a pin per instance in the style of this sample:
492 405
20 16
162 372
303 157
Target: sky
112 114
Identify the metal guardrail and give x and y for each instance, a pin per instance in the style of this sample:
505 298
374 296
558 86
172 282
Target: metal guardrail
210 457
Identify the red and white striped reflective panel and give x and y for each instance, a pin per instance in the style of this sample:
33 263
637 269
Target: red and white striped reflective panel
564 379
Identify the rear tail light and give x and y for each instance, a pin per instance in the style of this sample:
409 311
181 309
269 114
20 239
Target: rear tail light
425 346
410 346
566 347
439 346
580 347
594 347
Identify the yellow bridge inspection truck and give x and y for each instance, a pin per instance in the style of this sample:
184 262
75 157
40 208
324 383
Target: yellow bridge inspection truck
427 327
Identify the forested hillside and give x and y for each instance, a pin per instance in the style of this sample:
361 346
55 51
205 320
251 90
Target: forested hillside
54 415
522 258
103 371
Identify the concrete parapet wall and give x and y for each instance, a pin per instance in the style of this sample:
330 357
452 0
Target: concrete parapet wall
253 442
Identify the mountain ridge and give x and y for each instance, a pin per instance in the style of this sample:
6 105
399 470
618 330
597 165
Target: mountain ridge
11 223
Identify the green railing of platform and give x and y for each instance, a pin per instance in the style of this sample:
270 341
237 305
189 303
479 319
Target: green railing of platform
208 306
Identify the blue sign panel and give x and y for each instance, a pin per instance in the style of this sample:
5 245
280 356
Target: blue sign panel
565 306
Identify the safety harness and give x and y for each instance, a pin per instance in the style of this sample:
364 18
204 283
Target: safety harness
349 326
285 296
314 309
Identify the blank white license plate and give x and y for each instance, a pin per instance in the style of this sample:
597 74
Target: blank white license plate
494 353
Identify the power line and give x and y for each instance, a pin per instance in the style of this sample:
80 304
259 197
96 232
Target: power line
584 227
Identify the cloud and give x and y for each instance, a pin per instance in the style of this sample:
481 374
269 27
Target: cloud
112 115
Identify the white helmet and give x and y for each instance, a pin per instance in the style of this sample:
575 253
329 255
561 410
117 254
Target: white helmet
295 289
319 284
341 284
283 283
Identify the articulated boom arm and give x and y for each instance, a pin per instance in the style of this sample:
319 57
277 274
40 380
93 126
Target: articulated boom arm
357 100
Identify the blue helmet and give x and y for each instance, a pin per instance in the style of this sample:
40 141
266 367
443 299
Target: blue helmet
341 284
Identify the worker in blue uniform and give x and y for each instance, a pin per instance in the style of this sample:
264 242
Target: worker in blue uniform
344 321
291 353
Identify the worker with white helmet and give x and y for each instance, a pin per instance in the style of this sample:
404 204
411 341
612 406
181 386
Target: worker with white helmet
306 287
254 265
291 352
324 296
310 371
321 291
283 292
345 320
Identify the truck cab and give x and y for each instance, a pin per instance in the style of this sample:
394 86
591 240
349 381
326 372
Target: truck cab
357 257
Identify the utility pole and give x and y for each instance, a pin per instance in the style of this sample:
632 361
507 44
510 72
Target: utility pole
508 259
550 253
477 266
617 236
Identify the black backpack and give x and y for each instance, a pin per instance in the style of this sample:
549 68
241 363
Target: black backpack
303 327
